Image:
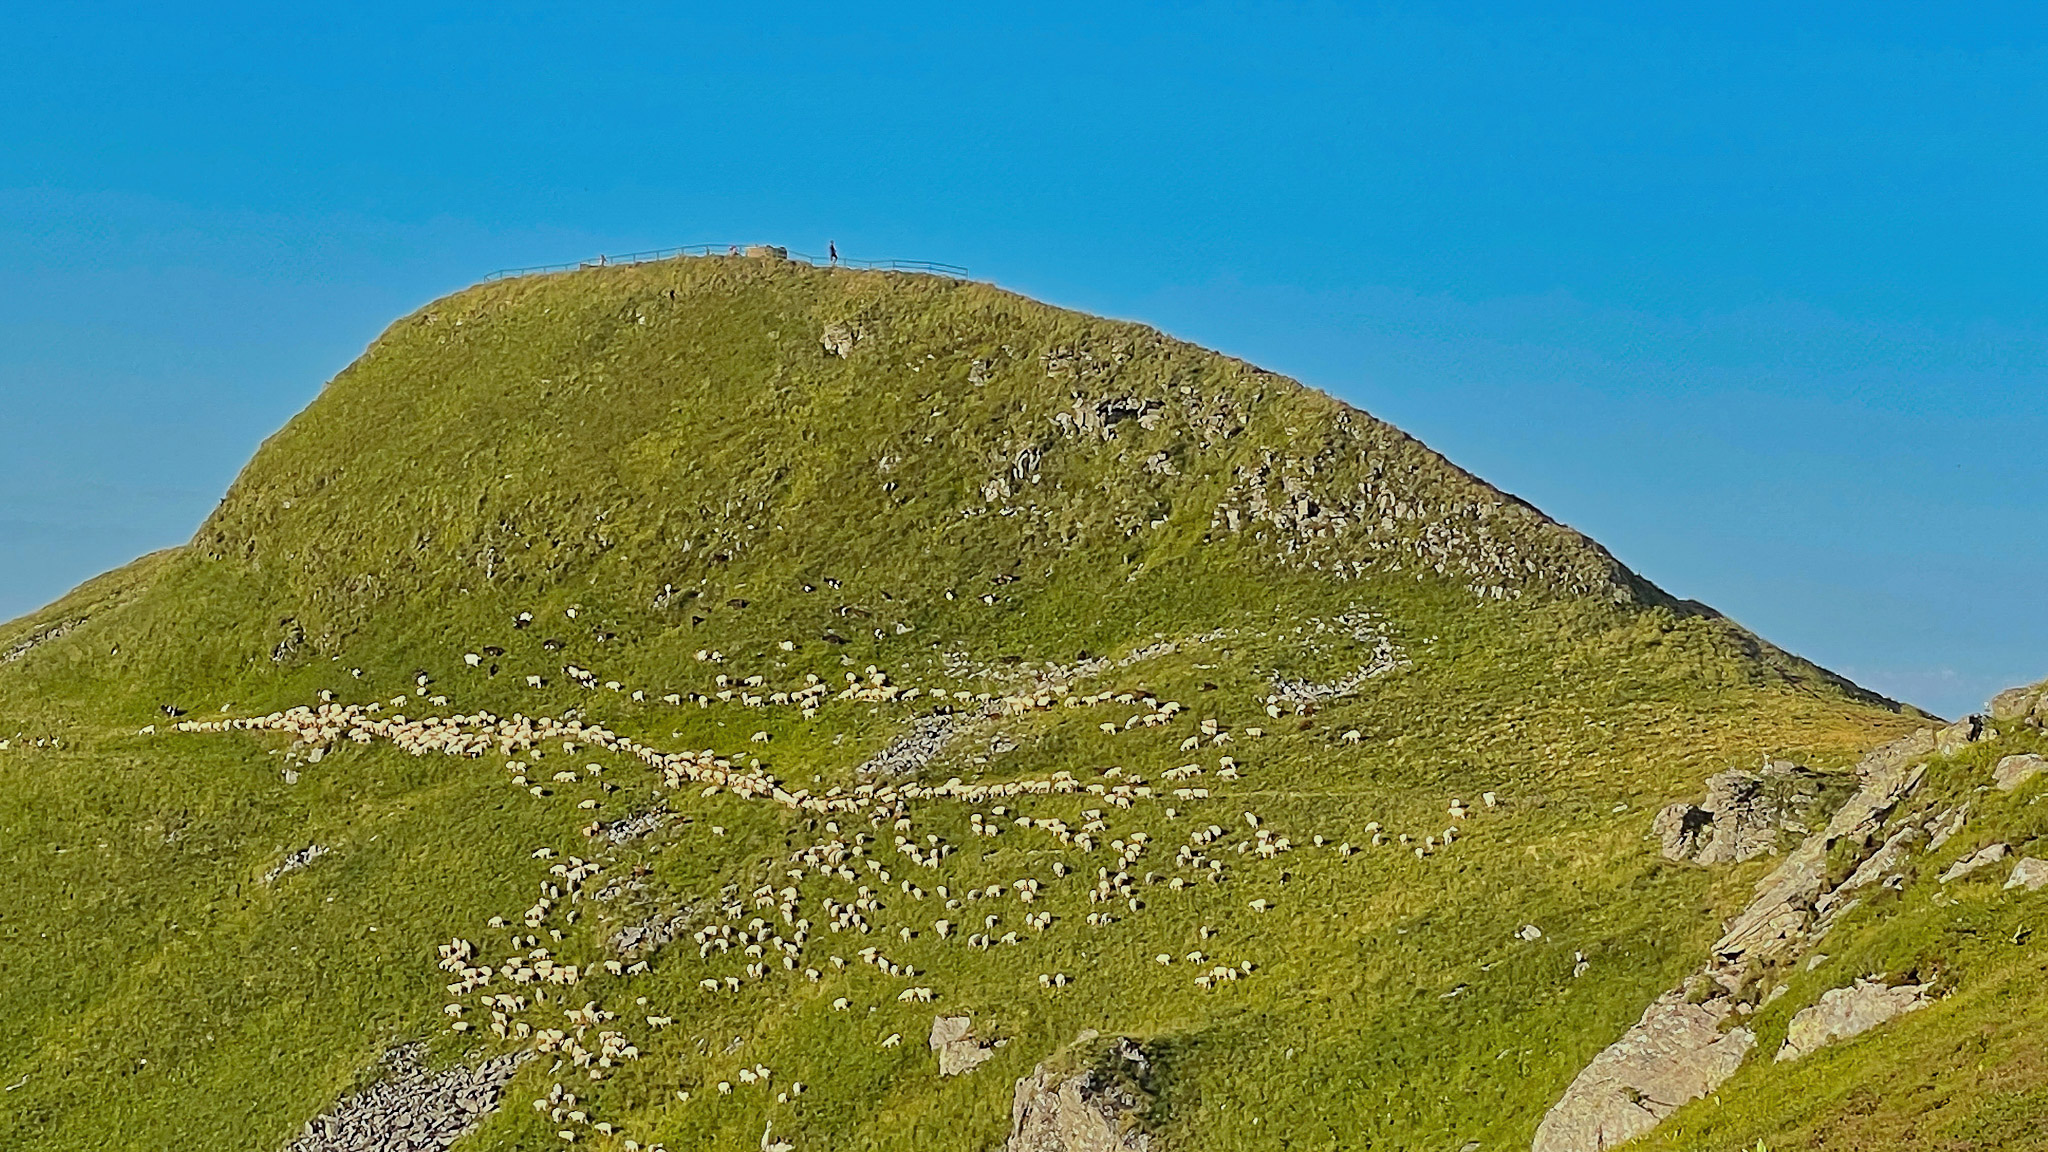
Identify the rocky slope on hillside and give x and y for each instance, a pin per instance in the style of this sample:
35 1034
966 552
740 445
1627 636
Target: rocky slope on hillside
664 702
1859 886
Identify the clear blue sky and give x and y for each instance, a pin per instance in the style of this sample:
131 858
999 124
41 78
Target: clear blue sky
1754 299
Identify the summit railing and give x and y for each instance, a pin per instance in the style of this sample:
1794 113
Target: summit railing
741 251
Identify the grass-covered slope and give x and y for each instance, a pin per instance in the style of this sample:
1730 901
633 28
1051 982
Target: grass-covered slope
735 468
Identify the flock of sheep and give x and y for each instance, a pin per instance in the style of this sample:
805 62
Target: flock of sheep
524 993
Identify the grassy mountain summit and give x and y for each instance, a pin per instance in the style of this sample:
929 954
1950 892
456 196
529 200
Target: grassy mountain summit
1206 712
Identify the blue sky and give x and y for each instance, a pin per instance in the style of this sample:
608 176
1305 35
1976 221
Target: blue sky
1755 299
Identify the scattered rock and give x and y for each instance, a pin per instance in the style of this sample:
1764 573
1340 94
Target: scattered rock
952 1038
637 825
295 861
661 928
1786 899
411 1108
2030 873
2014 771
1091 1110
1846 1012
1677 1052
914 749
42 635
1974 861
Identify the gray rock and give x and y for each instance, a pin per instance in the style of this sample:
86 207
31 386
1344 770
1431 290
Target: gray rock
1886 861
958 1051
1974 861
1676 1053
411 1108
2030 873
1946 825
1846 1012
1083 1111
1742 814
2014 771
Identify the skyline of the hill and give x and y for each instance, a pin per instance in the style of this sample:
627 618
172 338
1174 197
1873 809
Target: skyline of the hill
1753 302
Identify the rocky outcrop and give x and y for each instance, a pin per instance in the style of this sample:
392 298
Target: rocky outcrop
411 1108
1846 1012
1090 1110
1684 1046
294 862
952 1039
1743 814
43 635
1677 1052
2027 705
1788 900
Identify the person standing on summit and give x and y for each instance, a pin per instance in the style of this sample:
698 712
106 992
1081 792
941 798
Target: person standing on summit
832 252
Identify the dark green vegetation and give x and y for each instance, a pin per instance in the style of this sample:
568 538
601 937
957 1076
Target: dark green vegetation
971 492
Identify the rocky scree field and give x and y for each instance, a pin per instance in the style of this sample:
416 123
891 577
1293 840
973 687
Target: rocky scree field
729 703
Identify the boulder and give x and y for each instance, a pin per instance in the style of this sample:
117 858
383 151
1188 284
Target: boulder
2014 771
2016 703
1742 814
958 1051
2030 873
1089 1110
1846 1012
1974 861
1676 1053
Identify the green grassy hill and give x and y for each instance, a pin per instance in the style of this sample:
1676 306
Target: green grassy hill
616 495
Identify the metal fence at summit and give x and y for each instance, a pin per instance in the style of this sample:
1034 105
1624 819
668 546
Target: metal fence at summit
741 251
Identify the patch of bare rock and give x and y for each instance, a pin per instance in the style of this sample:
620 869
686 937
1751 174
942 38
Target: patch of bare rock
2027 705
2030 873
1974 861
